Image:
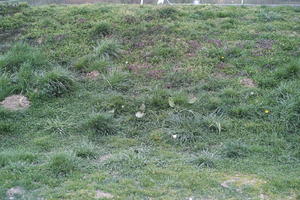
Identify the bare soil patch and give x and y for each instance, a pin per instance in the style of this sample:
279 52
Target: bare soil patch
104 157
238 181
100 194
248 82
93 74
15 102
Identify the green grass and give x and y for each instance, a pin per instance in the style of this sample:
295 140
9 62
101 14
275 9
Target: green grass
181 71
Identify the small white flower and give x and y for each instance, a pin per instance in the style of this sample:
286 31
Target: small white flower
174 136
122 106
126 62
251 93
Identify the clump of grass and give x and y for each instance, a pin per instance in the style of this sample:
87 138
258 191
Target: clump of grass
108 49
117 103
290 71
286 72
188 127
62 164
19 54
203 14
86 150
18 67
164 52
103 29
235 150
4 160
104 53
14 156
269 16
9 8
101 125
89 63
25 69
6 128
44 143
159 99
224 14
6 86
56 83
167 12
118 80
205 160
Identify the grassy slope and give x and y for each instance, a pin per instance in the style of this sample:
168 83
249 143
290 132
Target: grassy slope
57 149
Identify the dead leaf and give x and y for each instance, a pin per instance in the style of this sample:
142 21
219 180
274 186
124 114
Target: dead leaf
143 107
192 100
171 102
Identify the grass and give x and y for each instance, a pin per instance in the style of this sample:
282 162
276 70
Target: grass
182 71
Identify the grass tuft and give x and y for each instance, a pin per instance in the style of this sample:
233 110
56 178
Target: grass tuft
235 150
62 164
56 83
101 125
108 49
19 54
102 29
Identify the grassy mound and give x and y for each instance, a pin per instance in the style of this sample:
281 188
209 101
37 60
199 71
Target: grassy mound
173 102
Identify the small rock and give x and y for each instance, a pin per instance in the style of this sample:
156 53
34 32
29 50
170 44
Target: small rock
100 194
15 102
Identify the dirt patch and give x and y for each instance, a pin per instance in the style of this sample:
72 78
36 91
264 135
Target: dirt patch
220 75
100 194
93 74
104 157
15 102
15 193
193 47
241 180
248 82
216 42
